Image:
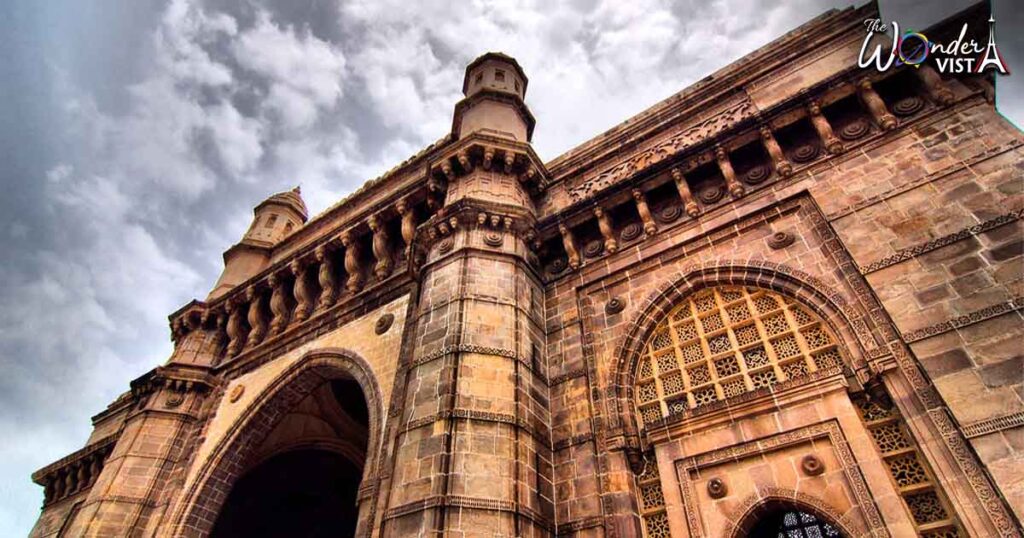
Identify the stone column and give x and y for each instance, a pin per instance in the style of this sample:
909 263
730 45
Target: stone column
821 124
325 277
278 305
257 320
353 267
303 295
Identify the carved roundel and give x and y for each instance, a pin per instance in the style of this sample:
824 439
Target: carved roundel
806 153
383 323
717 488
668 213
493 239
908 106
780 240
236 393
757 174
558 266
854 129
812 465
446 245
593 249
711 194
614 306
174 399
631 231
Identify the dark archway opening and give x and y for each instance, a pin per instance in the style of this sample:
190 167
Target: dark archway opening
303 480
791 523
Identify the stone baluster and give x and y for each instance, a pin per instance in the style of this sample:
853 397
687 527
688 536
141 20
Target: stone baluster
875 105
725 165
300 289
95 467
48 490
234 329
604 223
689 203
779 161
821 124
408 222
58 486
325 277
934 85
278 305
380 248
645 212
257 321
69 482
352 266
570 246
81 476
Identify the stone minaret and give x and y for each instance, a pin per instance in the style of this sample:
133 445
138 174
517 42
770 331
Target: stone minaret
473 450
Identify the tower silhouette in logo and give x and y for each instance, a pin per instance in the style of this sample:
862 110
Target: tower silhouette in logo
992 57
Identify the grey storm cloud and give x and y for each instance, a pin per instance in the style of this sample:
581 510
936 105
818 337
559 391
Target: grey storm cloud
136 136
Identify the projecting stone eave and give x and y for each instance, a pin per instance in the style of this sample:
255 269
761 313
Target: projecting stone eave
611 144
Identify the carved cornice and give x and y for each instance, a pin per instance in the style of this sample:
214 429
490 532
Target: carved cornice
992 425
998 309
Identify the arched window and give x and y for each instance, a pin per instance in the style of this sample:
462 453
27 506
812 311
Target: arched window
722 342
792 524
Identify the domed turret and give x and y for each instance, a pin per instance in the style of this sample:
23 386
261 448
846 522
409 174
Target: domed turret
494 86
273 219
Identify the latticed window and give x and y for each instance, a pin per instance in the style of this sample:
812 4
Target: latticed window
652 501
722 342
909 471
793 524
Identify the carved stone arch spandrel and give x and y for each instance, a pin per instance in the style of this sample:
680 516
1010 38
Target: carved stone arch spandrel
843 318
200 504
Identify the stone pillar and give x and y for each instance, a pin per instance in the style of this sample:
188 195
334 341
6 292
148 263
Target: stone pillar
474 432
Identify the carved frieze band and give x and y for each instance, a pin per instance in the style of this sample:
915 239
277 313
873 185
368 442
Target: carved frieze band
479 350
481 416
992 425
562 444
462 501
579 525
568 376
998 309
911 252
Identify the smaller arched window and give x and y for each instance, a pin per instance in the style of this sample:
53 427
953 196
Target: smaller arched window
722 342
792 524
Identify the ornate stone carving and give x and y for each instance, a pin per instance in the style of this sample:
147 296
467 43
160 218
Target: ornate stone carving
667 212
780 240
236 393
593 249
303 295
782 166
614 306
908 106
644 211
446 245
631 231
234 329
383 323
725 165
493 238
824 129
557 266
757 174
811 465
711 194
805 153
689 204
257 321
569 243
854 129
353 268
409 220
875 105
717 488
325 277
278 305
604 223
380 248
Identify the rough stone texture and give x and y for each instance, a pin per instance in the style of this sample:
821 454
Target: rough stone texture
496 327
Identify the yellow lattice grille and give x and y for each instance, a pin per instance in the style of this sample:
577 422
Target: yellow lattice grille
723 342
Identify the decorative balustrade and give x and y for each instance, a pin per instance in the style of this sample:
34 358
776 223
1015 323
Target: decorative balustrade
75 473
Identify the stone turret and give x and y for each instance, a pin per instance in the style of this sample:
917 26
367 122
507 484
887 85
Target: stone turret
494 86
273 219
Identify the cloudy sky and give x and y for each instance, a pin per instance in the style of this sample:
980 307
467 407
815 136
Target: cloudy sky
136 136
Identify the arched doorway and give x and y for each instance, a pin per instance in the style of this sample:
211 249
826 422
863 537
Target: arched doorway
303 478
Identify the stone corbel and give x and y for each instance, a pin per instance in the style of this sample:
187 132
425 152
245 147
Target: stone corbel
510 160
689 204
353 268
303 295
408 221
465 162
325 277
779 162
488 158
278 304
380 248
645 212
257 321
821 124
875 105
725 165
604 223
570 246
934 85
